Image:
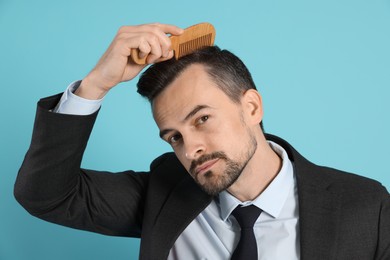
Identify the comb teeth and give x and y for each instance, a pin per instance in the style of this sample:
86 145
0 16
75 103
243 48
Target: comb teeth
188 47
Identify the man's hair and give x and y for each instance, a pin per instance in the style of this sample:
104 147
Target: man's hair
227 71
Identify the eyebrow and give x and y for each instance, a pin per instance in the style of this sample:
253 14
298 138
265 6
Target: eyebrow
188 116
194 111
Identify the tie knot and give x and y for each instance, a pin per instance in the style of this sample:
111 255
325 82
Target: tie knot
246 216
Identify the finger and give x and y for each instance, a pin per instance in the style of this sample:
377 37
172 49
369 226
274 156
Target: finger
169 28
165 28
155 45
164 41
160 30
151 40
150 46
146 43
170 56
144 49
152 58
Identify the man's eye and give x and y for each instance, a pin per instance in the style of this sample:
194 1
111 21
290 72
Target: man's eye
174 139
203 119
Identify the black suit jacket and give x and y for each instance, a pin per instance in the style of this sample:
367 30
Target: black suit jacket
341 215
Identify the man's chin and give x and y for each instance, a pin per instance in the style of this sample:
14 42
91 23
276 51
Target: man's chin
212 191
211 184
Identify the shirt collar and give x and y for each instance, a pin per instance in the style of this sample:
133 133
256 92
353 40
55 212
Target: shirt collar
273 198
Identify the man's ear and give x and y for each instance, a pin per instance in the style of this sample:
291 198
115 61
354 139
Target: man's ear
253 106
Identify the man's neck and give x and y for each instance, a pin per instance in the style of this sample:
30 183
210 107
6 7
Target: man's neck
258 174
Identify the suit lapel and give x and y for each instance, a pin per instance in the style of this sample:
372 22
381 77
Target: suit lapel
185 202
318 213
319 207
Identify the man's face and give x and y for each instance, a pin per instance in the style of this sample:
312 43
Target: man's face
206 129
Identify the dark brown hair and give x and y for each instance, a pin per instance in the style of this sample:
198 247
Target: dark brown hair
228 72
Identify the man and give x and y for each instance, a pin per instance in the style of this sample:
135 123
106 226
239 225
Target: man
188 206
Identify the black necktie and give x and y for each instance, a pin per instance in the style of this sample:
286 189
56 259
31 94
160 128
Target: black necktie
247 246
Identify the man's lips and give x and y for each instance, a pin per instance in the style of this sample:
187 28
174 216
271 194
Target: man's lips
205 166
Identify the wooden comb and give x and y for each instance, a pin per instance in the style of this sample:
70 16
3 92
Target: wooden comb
193 38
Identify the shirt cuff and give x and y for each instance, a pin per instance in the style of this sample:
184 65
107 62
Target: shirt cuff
72 104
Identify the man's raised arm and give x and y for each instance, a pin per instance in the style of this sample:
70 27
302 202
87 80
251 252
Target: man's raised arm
50 183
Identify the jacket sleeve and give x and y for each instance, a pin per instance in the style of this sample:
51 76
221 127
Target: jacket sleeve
52 186
383 249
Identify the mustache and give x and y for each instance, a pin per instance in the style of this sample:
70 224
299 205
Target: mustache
206 157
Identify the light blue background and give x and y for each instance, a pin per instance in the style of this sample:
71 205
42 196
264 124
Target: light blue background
323 68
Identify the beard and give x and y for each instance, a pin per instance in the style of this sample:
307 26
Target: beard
215 183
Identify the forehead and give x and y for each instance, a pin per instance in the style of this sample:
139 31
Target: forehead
193 87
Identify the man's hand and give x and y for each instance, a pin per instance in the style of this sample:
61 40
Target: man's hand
116 65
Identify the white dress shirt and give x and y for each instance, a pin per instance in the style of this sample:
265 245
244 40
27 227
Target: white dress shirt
214 233
72 104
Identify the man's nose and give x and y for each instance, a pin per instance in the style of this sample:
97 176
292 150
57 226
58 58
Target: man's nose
194 148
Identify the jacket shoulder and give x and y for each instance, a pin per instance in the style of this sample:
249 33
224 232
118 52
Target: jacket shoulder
351 182
165 160
330 178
